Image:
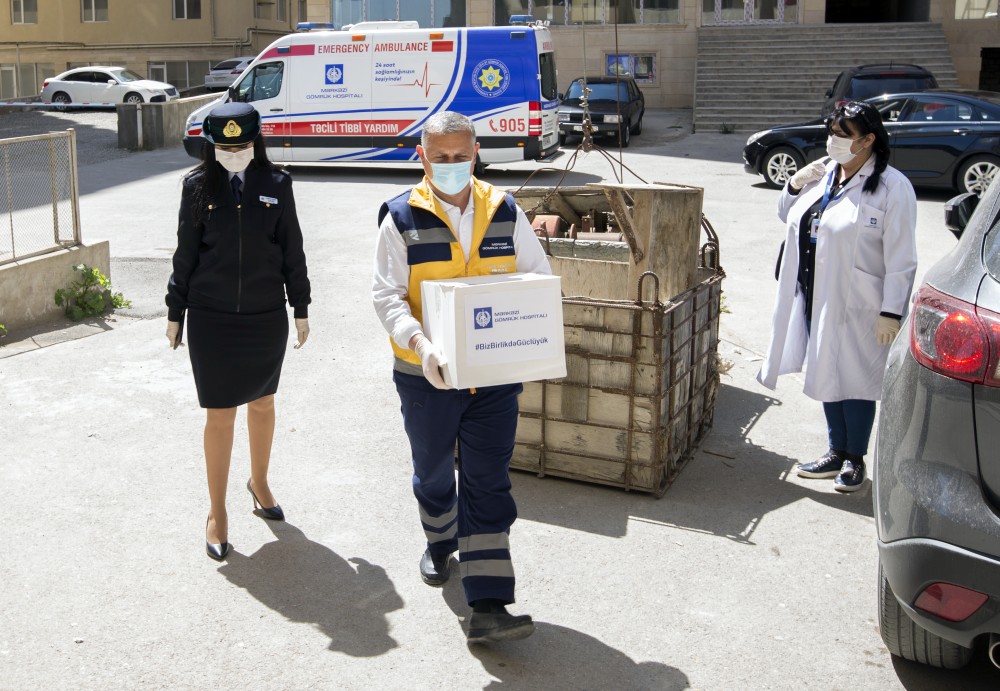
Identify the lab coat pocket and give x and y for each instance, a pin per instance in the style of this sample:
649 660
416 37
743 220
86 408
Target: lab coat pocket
866 291
871 218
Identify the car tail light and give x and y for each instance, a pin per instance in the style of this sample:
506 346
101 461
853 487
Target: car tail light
951 602
45 83
955 338
534 119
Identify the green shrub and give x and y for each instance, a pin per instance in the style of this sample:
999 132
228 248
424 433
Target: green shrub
89 295
726 128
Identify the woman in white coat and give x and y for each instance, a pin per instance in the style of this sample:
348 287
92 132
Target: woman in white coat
844 283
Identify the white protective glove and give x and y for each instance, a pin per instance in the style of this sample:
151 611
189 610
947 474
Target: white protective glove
810 173
301 332
174 334
431 360
885 330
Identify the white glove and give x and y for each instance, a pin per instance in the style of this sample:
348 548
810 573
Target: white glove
810 173
301 332
174 334
431 359
885 330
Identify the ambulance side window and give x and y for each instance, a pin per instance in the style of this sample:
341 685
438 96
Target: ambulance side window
263 82
547 65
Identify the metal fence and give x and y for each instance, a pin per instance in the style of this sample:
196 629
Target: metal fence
39 195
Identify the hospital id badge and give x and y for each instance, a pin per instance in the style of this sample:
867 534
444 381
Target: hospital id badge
814 229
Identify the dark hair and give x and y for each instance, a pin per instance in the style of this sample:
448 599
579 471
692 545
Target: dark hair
213 176
864 119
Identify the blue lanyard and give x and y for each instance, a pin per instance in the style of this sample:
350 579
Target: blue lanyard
829 188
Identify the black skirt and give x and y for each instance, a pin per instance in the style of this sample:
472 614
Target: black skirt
236 358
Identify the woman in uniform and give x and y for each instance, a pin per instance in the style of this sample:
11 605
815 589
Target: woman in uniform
239 253
844 283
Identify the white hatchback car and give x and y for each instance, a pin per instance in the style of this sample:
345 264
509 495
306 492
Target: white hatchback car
104 86
222 75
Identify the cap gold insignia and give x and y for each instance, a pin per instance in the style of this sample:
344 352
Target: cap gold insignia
232 129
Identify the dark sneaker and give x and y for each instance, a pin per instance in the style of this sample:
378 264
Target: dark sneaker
491 627
851 477
827 466
435 569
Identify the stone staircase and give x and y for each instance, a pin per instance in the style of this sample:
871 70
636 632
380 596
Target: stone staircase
749 78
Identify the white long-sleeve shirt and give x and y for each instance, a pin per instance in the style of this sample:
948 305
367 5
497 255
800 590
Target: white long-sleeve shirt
390 284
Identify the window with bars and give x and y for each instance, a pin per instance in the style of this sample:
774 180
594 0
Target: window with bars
94 10
24 11
281 14
187 9
435 13
303 11
558 12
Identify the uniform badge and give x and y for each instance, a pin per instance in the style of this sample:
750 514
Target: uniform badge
232 130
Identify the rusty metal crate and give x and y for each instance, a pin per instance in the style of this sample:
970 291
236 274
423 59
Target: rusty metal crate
641 384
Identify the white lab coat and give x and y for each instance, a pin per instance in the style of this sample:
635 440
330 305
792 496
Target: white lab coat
866 258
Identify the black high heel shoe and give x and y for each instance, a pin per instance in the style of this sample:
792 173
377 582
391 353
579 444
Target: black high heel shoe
217 552
273 514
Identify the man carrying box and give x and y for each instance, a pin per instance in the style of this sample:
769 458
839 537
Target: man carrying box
453 225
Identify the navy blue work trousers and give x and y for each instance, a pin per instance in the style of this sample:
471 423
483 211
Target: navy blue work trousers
475 516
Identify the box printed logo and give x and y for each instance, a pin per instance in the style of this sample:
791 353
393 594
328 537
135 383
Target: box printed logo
483 317
335 74
490 78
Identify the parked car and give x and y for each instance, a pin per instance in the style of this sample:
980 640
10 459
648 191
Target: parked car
224 74
104 85
616 107
948 139
867 81
936 473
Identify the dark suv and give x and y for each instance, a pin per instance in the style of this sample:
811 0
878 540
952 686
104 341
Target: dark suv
936 480
867 81
616 107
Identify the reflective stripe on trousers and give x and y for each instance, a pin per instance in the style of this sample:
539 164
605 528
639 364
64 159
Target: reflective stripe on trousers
473 515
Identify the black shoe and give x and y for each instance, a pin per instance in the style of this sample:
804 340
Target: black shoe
435 570
827 466
273 514
218 552
490 627
852 476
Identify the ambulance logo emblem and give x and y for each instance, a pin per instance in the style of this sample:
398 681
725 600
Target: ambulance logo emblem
334 74
483 317
490 78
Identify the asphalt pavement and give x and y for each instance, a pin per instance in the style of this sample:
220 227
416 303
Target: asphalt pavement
743 576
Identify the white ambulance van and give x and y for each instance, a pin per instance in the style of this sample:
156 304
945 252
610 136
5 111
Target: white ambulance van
363 93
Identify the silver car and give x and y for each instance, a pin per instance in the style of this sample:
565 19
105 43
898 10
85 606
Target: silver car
936 476
223 74
104 86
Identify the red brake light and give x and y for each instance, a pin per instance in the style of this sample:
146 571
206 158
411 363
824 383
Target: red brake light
950 602
534 119
955 338
45 83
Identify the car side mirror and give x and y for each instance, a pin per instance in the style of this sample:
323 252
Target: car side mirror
562 96
957 212
234 94
829 93
112 82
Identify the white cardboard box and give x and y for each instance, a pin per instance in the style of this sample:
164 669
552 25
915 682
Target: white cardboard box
496 329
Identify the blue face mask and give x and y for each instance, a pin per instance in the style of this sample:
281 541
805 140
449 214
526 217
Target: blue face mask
451 178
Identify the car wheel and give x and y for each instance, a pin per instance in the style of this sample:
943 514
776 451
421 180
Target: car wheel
638 127
61 99
906 639
132 98
977 173
562 139
780 165
624 135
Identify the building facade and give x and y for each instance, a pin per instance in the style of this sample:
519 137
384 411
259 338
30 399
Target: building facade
171 40
655 40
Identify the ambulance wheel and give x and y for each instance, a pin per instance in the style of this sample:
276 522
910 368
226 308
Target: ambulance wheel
479 168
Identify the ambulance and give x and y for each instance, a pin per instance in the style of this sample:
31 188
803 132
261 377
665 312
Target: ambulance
362 93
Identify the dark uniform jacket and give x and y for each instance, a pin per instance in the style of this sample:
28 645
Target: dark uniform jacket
240 259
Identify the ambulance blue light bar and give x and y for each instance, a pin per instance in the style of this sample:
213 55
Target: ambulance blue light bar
313 26
521 19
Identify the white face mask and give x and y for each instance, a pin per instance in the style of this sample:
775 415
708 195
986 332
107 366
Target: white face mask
234 161
839 149
451 178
